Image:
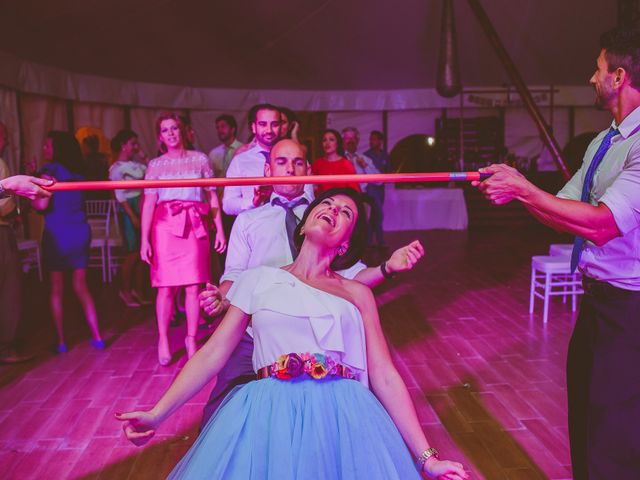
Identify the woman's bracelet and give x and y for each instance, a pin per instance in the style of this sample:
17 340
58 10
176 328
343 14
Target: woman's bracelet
426 455
386 273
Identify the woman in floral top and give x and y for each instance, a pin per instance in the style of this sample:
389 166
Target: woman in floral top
175 230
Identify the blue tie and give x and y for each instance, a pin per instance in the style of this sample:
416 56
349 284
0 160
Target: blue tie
290 219
586 190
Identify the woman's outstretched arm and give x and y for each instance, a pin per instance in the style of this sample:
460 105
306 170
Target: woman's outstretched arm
392 392
139 427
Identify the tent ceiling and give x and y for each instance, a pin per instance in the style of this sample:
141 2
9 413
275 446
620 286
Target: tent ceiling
302 44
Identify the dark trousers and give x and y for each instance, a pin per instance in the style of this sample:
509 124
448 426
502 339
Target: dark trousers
237 371
10 286
603 384
227 224
376 195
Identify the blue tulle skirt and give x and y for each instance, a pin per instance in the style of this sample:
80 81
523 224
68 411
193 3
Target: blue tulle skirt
299 429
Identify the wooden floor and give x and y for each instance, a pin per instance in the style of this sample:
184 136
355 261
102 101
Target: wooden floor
487 378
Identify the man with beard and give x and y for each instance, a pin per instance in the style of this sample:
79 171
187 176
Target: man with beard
601 206
266 128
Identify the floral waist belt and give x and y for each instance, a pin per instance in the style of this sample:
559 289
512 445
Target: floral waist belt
316 365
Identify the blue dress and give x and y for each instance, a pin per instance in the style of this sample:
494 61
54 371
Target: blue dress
67 237
272 429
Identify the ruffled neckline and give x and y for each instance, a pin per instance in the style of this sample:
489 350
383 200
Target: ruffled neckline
318 289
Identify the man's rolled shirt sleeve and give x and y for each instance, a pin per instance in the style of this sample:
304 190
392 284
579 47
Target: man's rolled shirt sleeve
623 196
573 188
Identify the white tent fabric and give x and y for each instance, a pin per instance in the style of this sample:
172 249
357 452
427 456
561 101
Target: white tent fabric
109 118
38 116
39 79
322 45
363 121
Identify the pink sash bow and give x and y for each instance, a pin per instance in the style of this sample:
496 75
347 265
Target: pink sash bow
179 212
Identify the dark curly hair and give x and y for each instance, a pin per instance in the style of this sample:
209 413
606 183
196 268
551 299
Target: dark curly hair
358 239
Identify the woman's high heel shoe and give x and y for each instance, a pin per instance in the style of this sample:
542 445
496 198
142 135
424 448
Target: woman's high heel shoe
164 353
190 345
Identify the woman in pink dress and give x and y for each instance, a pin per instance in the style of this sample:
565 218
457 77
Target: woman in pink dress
175 230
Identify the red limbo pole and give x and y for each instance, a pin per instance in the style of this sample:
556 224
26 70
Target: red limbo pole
313 179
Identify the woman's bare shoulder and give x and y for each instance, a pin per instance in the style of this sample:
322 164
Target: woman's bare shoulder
360 294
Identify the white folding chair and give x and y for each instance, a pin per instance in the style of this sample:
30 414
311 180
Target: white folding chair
560 249
114 243
99 218
30 255
551 276
29 252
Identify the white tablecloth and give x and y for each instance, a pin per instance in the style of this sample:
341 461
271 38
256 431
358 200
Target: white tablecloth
424 209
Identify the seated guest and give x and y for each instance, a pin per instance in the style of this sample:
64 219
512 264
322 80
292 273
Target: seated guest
333 162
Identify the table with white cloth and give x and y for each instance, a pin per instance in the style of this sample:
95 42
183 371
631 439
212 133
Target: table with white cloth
424 209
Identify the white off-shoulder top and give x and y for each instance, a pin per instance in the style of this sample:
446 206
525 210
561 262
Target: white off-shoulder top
290 316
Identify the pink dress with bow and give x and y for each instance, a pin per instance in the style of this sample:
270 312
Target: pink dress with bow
180 228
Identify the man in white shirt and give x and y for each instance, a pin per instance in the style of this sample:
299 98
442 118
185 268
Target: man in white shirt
365 165
266 128
362 163
220 156
260 237
600 205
